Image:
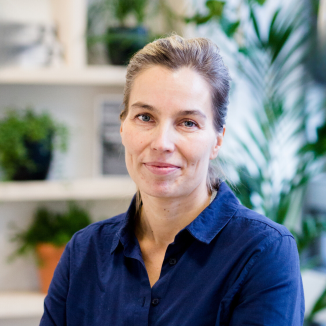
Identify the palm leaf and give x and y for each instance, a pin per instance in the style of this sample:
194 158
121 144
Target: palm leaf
255 24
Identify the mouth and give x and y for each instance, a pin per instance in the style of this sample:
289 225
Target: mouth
161 168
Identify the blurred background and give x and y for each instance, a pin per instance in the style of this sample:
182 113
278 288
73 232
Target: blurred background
62 71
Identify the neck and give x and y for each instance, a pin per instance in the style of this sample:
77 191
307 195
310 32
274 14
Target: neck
162 218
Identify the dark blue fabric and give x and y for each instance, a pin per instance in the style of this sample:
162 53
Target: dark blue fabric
230 266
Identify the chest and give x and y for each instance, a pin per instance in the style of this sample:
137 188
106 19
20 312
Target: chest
192 283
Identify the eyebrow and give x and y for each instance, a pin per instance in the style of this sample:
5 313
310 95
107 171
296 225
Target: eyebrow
181 113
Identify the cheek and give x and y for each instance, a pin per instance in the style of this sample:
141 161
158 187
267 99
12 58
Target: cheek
197 151
132 142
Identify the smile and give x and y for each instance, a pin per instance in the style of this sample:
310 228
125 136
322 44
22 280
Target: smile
161 168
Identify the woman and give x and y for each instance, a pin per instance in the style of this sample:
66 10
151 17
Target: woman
186 252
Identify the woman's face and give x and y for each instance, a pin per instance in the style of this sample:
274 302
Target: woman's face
168 133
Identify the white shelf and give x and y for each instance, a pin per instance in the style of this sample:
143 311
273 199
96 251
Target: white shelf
21 304
113 187
91 75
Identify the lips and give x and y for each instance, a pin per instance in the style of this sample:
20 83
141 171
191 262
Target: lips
161 164
161 168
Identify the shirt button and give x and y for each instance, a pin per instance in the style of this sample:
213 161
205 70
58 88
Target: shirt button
172 261
155 302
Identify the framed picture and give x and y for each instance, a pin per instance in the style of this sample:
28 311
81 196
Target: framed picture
109 151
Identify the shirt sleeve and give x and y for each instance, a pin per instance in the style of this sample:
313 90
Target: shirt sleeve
55 301
272 292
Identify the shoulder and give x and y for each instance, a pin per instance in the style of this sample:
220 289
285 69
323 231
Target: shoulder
108 226
99 233
259 243
270 245
258 222
244 220
249 235
251 232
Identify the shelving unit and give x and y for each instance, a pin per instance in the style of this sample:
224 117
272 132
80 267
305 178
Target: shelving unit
115 187
73 106
21 304
90 75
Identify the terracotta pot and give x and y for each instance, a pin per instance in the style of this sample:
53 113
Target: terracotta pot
49 256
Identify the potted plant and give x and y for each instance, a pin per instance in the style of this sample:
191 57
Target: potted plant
126 32
27 140
47 237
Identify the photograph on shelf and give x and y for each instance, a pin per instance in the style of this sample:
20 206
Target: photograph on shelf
109 154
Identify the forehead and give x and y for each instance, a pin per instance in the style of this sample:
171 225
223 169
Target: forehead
172 89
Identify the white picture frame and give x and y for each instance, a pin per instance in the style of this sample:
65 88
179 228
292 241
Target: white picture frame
108 150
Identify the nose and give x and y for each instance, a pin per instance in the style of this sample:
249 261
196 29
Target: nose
163 139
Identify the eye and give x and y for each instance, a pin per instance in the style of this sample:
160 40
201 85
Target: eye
190 124
144 117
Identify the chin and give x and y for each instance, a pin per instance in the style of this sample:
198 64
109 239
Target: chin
160 190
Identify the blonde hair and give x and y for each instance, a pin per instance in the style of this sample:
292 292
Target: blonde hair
199 54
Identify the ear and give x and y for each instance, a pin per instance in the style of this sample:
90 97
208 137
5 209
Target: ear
121 131
217 144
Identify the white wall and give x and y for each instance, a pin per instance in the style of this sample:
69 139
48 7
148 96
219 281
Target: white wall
34 11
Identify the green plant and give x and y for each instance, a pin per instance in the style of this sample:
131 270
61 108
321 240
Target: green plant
119 10
111 21
124 13
19 127
275 159
50 227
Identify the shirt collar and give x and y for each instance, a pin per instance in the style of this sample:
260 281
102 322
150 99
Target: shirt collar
204 228
125 234
215 216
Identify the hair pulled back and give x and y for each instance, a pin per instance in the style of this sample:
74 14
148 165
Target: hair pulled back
201 55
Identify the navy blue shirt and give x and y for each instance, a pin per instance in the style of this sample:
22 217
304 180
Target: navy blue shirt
230 266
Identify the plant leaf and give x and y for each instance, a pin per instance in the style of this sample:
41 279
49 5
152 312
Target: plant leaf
215 7
228 26
255 24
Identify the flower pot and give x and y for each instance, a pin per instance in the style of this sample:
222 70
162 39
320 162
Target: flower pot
123 42
40 154
49 256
